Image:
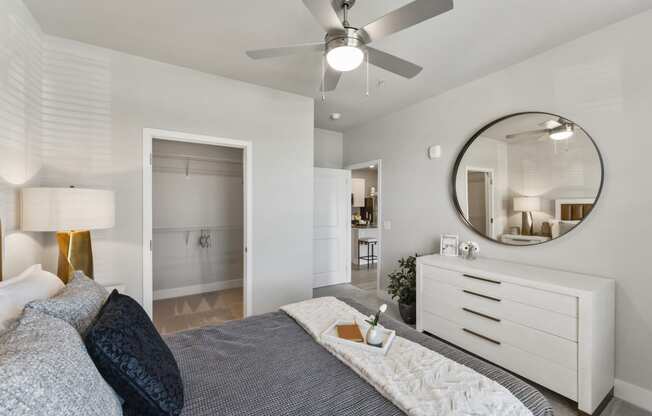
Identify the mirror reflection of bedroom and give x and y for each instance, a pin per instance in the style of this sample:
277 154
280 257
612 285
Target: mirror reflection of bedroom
528 179
197 204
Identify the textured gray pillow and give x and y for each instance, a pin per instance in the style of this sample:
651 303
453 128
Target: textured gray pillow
46 371
78 303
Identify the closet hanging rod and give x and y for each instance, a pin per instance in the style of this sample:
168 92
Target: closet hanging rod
170 169
196 228
196 158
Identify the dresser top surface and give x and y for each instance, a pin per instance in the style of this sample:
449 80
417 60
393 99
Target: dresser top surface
576 282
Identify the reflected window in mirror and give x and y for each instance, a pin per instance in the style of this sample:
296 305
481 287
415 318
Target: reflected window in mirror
527 178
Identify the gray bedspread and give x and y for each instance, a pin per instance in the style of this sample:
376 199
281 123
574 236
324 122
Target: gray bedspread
268 365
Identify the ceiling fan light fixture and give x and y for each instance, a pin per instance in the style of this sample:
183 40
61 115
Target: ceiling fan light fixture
344 58
563 132
344 51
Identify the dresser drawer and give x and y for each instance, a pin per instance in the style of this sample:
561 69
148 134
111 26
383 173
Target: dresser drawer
550 347
528 365
555 302
435 293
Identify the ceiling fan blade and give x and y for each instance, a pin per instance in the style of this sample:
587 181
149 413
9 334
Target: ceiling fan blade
404 17
325 14
286 50
331 79
393 63
526 133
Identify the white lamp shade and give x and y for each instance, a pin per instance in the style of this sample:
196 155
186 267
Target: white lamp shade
67 209
527 203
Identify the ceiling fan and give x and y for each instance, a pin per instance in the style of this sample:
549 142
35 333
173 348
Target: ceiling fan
554 129
345 46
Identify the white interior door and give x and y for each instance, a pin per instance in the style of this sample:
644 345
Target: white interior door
332 227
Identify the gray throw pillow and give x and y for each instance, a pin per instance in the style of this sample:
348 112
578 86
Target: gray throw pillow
45 371
78 303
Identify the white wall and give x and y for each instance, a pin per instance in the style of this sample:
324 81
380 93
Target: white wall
94 106
20 129
145 93
191 196
328 149
601 81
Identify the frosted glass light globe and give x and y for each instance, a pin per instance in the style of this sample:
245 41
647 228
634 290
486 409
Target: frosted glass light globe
344 58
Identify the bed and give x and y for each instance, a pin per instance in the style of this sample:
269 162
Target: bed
268 365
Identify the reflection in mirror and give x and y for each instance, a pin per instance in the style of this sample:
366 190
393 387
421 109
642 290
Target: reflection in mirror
527 178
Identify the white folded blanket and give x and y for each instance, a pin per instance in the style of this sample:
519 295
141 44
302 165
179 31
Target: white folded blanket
417 380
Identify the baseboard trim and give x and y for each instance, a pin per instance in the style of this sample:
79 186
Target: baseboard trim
638 396
196 289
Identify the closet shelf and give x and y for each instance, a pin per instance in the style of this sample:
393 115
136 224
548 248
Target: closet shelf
196 228
188 171
196 158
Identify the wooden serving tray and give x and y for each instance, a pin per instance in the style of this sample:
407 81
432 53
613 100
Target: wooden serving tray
331 334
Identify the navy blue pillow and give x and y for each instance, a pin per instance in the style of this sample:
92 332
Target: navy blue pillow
133 358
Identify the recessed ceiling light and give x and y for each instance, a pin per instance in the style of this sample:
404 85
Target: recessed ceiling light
335 116
372 166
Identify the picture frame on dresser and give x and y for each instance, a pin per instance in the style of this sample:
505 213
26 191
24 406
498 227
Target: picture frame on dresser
449 245
552 327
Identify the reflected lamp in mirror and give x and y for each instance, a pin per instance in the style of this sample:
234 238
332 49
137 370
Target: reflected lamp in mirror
72 213
540 165
526 205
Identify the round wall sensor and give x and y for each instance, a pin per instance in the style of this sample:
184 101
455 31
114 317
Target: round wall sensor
335 116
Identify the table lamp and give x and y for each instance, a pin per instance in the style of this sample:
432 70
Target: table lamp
525 205
71 213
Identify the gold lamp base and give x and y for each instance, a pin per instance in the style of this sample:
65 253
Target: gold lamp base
75 253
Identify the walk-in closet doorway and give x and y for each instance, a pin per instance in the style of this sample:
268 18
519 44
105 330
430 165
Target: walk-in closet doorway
196 229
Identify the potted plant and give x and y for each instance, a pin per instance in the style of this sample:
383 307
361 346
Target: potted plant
403 286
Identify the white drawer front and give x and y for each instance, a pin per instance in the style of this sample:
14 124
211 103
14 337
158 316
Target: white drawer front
553 348
555 302
434 293
530 366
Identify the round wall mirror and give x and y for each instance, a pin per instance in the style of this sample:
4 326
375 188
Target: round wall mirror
527 178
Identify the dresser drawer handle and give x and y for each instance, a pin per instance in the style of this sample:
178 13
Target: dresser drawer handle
480 295
493 341
480 314
496 282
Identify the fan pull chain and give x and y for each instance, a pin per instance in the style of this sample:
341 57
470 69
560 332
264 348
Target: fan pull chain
323 80
367 72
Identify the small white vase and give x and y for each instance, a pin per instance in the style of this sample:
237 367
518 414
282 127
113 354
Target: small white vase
374 337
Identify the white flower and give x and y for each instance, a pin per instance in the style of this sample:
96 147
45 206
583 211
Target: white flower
383 308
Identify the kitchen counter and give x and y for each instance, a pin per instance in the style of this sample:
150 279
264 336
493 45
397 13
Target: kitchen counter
366 227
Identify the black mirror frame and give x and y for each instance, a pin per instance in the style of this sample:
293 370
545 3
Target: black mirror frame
485 128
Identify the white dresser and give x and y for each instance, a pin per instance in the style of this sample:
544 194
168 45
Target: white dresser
552 327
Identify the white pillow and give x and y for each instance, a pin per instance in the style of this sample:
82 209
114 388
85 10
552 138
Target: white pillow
10 280
32 284
9 311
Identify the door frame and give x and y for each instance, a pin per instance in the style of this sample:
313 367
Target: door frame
379 191
490 209
247 171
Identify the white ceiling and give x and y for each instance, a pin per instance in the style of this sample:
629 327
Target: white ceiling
476 38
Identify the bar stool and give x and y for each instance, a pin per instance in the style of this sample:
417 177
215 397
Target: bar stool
370 242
